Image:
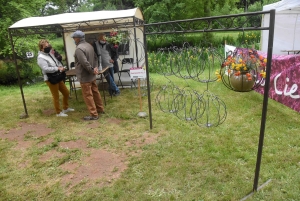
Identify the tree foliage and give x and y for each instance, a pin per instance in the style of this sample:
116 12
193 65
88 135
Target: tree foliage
13 11
153 10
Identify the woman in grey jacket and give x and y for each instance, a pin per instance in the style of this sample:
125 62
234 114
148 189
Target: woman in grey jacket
49 64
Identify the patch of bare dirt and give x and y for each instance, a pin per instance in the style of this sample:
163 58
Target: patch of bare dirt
95 167
78 144
19 135
100 166
24 129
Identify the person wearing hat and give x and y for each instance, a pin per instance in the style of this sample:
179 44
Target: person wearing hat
86 71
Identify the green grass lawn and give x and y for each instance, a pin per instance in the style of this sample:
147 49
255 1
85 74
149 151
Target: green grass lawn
186 162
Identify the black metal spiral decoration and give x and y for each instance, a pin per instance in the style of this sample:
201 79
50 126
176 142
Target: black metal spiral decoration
206 109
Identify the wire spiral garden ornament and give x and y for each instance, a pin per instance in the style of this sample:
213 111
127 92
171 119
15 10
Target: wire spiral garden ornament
195 64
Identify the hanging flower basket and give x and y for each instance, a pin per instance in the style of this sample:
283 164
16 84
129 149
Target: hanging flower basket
114 38
243 70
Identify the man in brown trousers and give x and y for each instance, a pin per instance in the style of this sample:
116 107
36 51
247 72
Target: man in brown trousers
86 65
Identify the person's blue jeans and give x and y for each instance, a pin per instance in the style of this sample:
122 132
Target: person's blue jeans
111 72
110 80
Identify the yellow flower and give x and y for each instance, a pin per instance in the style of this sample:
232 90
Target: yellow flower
219 78
263 74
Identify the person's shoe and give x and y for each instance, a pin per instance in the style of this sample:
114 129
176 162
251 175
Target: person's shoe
90 118
118 93
68 110
61 114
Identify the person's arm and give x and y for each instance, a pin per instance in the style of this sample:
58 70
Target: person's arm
43 64
114 53
95 60
108 49
95 48
81 57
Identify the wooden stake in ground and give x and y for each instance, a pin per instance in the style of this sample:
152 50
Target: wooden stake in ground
140 114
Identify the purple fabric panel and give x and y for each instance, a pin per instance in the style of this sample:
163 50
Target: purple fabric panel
285 80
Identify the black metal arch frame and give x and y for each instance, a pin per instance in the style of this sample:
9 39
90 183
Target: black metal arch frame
239 22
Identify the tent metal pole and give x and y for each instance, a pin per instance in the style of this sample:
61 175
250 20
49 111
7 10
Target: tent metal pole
148 79
18 73
136 49
265 101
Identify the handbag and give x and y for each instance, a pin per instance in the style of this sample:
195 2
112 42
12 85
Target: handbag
56 77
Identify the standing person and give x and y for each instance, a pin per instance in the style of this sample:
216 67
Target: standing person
49 64
86 71
104 53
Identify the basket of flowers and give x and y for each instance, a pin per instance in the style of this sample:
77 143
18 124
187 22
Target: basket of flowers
243 69
114 38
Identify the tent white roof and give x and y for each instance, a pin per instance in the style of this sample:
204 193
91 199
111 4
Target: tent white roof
81 19
287 26
284 6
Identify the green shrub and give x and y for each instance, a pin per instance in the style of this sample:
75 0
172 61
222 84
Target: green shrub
193 39
248 38
8 74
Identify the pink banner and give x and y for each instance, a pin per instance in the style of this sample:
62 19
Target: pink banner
285 80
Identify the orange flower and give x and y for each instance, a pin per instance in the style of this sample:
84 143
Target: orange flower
237 73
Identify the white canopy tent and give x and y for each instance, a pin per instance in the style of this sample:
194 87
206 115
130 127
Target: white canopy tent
81 19
287 26
92 23
89 22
